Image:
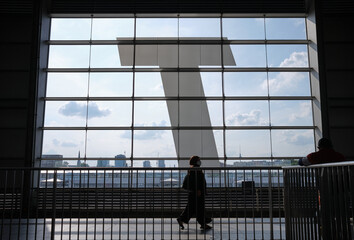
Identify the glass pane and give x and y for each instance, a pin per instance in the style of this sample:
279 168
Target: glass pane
289 84
291 113
247 143
290 143
108 143
200 113
245 84
286 28
244 56
109 113
155 113
193 56
68 56
112 28
156 84
111 56
246 113
70 29
67 84
204 143
154 143
156 27
243 28
201 84
287 56
65 114
111 84
158 56
199 27
67 143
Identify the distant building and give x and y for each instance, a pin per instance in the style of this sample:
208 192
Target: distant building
121 162
147 164
102 163
161 163
56 162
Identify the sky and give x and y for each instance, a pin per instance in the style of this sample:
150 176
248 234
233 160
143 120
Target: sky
160 143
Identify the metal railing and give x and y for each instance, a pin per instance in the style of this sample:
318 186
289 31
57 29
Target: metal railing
319 201
138 203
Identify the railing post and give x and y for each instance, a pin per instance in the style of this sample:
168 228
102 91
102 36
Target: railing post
270 203
54 205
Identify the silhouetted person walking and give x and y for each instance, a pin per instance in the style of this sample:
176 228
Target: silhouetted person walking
196 196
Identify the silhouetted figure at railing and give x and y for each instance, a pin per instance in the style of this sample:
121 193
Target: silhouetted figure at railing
325 154
196 185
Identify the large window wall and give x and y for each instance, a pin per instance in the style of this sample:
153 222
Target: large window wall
153 91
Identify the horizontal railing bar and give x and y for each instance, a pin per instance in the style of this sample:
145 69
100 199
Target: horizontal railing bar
156 69
338 164
144 168
183 128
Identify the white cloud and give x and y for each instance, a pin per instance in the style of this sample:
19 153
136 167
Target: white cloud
296 59
251 118
305 112
74 109
298 138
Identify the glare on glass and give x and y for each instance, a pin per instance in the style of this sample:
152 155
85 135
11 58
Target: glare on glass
69 56
155 113
64 142
199 28
204 143
289 84
108 143
291 113
245 84
193 56
109 113
156 28
200 113
110 56
292 143
112 28
70 29
65 114
154 143
285 28
246 113
243 28
111 84
67 84
287 55
193 84
247 143
156 84
246 55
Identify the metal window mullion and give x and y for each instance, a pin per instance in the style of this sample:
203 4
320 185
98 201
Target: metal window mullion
133 102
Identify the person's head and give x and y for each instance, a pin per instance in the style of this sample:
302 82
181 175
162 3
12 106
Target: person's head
324 143
195 161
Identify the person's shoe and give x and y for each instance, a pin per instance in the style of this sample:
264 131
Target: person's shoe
180 223
205 227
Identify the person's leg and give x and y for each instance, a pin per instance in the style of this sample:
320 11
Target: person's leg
187 212
201 214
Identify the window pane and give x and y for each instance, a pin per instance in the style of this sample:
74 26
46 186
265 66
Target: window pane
156 84
247 143
111 84
199 27
244 55
155 113
200 113
65 114
246 113
70 29
193 56
243 28
67 84
292 142
286 28
112 28
154 143
156 27
287 56
67 56
204 143
289 84
111 56
67 143
245 84
109 113
291 113
108 143
201 84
